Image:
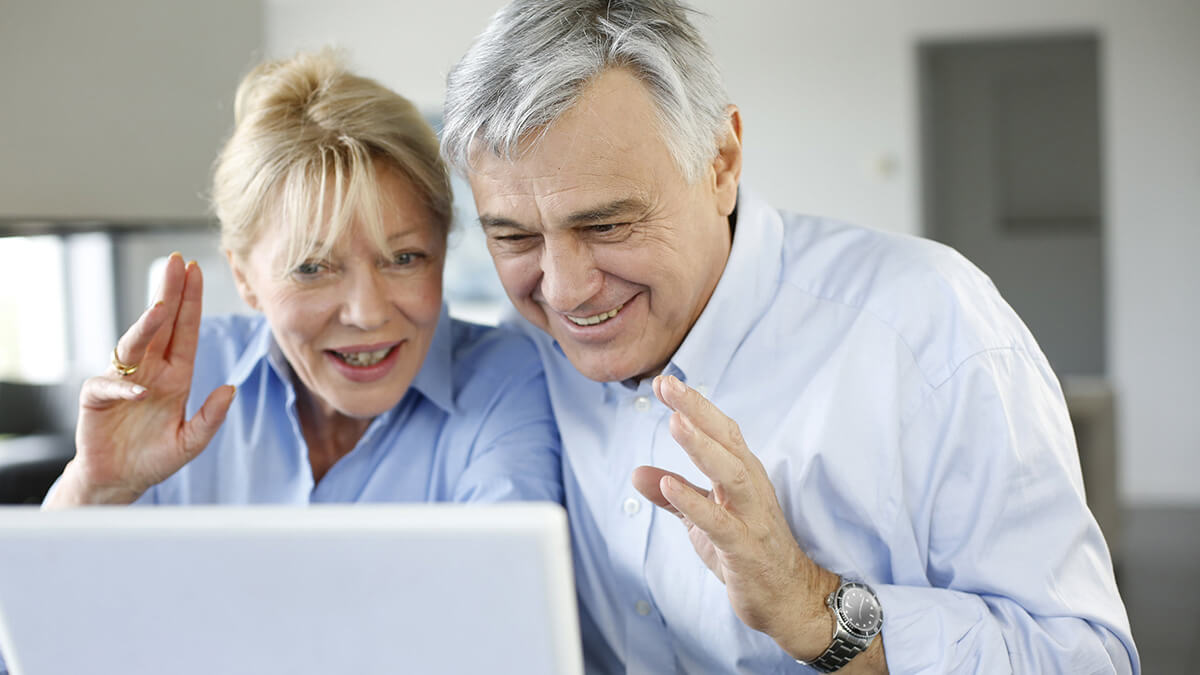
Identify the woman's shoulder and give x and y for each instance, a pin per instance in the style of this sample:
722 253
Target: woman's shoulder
486 358
503 348
225 340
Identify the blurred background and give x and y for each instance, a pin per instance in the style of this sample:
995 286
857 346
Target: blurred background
1056 143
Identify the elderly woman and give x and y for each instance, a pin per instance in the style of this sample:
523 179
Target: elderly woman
352 384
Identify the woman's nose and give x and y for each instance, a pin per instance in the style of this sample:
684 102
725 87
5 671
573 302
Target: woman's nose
366 304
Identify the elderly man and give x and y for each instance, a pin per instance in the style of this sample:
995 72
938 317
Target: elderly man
870 457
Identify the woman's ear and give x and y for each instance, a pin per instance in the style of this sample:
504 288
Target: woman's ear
239 278
727 165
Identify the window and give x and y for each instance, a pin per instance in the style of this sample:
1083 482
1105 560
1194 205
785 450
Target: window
33 328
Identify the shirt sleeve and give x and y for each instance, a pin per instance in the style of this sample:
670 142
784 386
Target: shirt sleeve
517 453
1014 574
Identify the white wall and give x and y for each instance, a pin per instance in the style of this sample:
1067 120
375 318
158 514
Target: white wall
828 94
828 89
114 110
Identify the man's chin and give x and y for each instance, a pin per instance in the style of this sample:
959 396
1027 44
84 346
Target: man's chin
603 367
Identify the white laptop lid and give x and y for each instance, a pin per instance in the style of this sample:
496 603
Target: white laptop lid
354 589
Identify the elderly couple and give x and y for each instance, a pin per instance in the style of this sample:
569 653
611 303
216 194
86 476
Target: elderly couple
783 443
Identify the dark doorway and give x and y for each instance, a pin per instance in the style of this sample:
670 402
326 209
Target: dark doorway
1012 179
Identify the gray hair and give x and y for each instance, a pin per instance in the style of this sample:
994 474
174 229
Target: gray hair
535 58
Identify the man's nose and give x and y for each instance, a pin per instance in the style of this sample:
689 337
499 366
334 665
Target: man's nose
366 304
569 274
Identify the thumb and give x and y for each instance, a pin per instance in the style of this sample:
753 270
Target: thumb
199 430
648 481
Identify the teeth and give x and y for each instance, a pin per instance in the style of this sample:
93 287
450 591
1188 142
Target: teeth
364 359
595 318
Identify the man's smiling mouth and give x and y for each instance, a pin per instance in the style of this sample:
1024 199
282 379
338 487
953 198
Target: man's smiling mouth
595 318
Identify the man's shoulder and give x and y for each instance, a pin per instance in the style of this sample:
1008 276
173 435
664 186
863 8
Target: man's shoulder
938 304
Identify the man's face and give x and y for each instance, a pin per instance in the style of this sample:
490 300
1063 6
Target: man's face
599 239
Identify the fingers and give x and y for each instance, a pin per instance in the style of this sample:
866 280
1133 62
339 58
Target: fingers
647 480
170 296
725 531
186 331
712 441
131 348
701 412
730 477
199 430
103 391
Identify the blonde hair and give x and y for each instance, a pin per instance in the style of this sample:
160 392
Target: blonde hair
308 139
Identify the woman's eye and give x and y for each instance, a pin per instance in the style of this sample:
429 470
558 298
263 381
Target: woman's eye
405 258
309 268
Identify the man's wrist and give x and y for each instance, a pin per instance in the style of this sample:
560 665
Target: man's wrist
810 629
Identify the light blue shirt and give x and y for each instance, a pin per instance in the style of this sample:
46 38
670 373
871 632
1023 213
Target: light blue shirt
474 426
916 438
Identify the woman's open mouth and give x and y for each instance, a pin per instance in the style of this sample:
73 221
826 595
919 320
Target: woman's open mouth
363 359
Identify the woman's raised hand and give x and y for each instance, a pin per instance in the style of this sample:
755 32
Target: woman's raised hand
132 431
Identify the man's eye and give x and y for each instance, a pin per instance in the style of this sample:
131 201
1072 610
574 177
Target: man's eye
601 229
511 238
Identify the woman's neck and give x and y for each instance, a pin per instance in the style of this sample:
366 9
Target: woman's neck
329 434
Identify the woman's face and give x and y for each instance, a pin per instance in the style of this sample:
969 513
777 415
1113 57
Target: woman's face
354 326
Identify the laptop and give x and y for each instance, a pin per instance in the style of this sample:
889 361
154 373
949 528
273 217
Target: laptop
353 589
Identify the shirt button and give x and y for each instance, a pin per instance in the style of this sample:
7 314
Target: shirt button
642 403
642 608
631 506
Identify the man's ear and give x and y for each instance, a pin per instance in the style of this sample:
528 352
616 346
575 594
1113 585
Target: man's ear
239 279
727 165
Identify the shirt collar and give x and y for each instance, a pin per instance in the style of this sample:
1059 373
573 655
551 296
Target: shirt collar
260 347
746 289
435 380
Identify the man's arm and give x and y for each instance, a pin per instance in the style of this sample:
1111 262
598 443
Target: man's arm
740 532
986 597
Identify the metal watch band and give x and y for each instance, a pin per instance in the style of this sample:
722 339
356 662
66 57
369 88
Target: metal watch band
837 655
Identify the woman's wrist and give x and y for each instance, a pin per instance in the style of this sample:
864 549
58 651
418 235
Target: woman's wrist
73 489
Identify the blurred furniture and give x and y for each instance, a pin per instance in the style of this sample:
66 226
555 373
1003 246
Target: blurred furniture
29 465
35 444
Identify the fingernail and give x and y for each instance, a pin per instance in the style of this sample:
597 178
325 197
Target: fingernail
676 385
138 389
191 263
175 254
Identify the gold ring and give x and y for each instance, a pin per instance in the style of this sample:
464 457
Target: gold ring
123 369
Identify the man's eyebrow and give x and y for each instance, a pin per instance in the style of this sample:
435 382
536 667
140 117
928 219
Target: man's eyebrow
498 221
594 214
605 212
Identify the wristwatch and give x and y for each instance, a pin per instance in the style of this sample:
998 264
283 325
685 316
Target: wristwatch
857 619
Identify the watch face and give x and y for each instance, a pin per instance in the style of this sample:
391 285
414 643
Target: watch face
859 610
